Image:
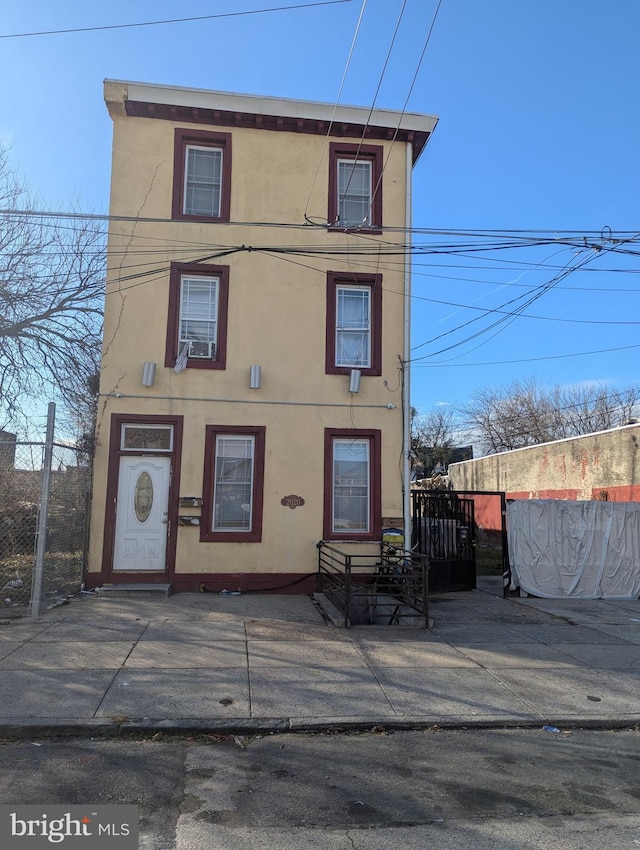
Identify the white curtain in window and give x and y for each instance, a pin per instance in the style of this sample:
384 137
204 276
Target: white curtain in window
203 180
233 487
354 192
198 309
353 327
351 491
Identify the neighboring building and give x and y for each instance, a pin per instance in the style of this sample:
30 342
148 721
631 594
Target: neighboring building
604 466
8 443
254 330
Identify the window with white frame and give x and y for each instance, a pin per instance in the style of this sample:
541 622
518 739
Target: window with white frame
197 316
201 175
233 484
198 322
203 181
351 486
353 327
355 186
354 193
353 323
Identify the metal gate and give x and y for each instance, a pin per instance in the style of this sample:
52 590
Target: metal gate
443 528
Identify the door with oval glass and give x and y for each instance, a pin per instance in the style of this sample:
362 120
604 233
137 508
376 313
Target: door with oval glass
142 513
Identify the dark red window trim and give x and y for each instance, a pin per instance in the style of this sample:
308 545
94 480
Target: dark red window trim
207 535
374 281
204 138
375 482
375 155
173 319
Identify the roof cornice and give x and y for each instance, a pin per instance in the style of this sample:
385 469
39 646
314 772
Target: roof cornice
225 109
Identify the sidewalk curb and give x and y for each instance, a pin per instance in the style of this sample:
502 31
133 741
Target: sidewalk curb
247 727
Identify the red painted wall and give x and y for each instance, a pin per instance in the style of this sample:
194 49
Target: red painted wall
487 508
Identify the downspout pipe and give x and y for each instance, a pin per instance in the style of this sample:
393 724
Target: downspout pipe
406 353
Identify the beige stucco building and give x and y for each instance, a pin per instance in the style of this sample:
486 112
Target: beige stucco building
256 331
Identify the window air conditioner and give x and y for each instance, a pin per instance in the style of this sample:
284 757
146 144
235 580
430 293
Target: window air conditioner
202 350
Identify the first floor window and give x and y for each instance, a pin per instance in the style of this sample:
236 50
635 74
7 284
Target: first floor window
351 492
352 484
233 486
233 483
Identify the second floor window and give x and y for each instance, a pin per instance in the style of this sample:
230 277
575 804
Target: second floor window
198 316
353 323
197 320
353 327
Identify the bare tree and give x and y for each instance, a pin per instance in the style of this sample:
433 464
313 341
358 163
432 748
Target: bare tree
524 413
52 273
434 436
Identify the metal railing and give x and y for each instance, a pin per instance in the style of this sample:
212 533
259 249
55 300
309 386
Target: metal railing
385 587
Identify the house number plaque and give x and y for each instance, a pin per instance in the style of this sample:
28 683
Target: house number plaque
292 501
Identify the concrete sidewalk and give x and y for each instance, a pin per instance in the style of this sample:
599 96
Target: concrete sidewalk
203 662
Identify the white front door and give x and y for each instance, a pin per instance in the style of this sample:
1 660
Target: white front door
142 513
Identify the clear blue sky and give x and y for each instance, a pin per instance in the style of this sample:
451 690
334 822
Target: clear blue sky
539 130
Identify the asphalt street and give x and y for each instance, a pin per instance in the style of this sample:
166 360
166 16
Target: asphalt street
501 789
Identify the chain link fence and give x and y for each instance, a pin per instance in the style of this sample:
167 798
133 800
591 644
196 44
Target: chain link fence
44 498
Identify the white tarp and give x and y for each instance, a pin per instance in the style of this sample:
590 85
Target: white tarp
587 550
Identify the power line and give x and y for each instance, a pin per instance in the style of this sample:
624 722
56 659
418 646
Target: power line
175 20
335 108
407 98
525 359
579 239
488 310
534 294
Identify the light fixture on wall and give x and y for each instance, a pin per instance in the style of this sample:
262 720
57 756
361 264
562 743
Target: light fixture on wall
255 377
354 381
148 374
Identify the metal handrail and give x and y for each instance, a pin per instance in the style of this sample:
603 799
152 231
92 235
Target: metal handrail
390 578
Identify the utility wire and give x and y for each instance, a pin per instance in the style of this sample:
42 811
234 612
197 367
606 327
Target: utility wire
578 239
406 100
335 108
436 365
371 108
534 294
489 310
175 20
